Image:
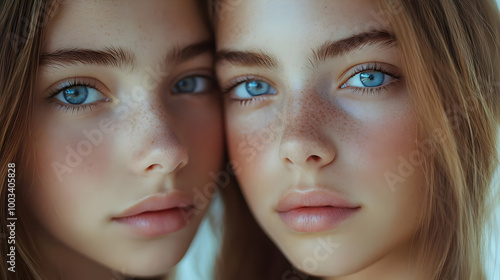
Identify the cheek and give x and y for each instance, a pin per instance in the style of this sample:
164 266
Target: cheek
387 178
69 154
253 144
204 133
387 147
71 169
386 140
251 140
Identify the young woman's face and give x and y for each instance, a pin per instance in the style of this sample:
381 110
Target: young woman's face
127 134
320 123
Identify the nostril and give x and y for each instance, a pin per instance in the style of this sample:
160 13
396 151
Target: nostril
314 158
153 167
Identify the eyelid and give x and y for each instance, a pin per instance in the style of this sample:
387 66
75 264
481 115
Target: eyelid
201 72
209 80
234 82
373 66
70 82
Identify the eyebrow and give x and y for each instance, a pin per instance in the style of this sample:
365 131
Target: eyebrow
329 49
343 46
110 56
119 57
247 58
179 54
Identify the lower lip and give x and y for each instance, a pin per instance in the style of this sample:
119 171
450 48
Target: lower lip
316 219
157 223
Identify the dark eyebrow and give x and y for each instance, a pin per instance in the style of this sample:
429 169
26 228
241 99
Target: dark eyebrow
118 57
110 56
178 54
349 44
247 58
327 50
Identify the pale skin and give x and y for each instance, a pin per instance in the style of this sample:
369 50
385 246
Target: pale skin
314 126
159 135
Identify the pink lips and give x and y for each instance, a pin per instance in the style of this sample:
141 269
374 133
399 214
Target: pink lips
158 215
314 211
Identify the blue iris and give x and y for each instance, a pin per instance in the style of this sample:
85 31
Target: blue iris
186 85
76 95
372 78
255 88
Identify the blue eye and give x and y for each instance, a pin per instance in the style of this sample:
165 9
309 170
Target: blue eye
369 79
193 84
254 88
79 95
372 78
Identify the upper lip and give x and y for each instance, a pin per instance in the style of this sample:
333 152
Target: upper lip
311 198
159 202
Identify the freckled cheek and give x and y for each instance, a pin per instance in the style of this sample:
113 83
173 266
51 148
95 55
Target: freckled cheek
384 142
250 143
68 155
68 175
253 180
250 140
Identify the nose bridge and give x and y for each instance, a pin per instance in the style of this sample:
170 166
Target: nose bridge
156 143
304 142
305 114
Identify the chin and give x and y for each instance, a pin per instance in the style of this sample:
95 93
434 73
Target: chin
149 271
154 265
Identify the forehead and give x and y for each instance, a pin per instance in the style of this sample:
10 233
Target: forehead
97 24
299 22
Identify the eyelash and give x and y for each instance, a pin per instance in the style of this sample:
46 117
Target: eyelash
374 90
66 107
357 90
236 82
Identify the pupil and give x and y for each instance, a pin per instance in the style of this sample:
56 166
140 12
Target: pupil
372 79
76 95
186 85
256 88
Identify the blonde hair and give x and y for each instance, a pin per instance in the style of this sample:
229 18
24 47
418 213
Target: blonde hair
451 56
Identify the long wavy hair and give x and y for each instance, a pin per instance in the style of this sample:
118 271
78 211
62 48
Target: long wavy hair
451 50
451 53
21 25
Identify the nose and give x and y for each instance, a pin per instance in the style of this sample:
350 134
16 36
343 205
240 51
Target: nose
159 150
305 143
